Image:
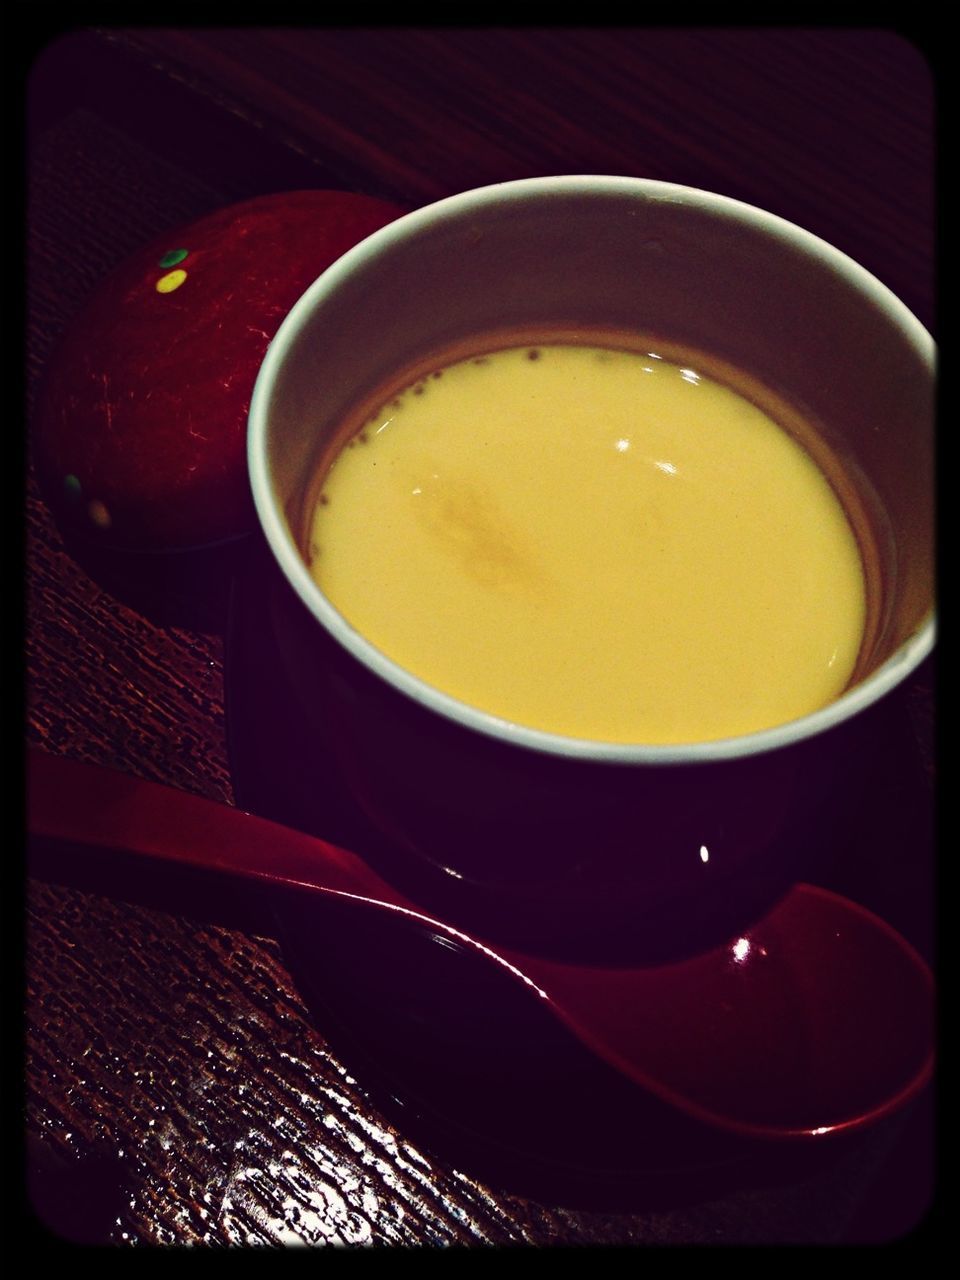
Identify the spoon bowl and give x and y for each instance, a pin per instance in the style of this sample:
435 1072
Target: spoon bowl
815 1021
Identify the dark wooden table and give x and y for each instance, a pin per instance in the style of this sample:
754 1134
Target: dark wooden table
178 1088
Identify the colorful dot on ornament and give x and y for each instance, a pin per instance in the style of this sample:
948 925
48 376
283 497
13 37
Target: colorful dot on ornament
172 280
99 514
71 487
172 258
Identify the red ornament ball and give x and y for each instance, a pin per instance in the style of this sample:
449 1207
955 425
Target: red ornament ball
142 418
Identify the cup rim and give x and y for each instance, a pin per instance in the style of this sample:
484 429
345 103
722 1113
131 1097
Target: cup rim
897 667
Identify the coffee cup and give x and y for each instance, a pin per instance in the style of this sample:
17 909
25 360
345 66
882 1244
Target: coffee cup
558 841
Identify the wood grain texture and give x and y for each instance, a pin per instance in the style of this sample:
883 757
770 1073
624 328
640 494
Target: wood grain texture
178 1091
831 128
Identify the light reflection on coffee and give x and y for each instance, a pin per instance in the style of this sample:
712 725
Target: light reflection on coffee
595 535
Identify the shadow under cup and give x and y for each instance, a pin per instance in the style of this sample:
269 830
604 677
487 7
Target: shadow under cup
561 844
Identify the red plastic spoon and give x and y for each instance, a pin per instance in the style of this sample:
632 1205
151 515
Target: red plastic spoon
817 1020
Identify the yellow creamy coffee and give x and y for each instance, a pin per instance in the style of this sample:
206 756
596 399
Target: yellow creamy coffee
600 543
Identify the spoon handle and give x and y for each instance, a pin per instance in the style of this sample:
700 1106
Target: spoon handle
91 806
818 1019
96 809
